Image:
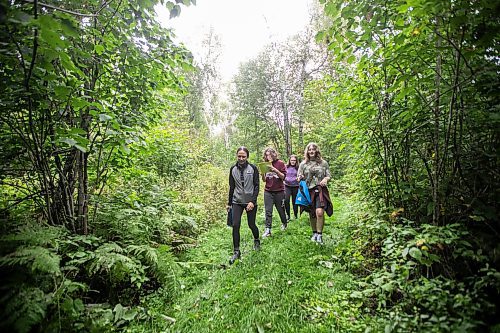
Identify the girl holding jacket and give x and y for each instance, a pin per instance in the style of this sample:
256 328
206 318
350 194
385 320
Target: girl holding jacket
316 173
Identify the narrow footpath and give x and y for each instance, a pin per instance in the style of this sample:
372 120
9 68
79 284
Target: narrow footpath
291 285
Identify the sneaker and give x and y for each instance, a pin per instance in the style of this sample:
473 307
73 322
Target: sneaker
314 237
319 238
266 233
236 255
256 244
284 226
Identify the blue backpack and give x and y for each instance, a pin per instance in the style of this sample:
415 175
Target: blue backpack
303 198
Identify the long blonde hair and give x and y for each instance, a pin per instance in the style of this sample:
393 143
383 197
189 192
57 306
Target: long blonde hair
318 152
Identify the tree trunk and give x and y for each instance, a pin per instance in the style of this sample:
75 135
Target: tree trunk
286 124
436 133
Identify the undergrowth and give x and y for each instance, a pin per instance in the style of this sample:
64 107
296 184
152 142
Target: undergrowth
290 285
373 274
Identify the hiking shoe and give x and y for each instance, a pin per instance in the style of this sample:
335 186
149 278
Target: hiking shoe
256 244
266 233
314 237
319 239
284 226
236 255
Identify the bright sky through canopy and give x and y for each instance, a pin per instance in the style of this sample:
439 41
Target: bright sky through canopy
244 26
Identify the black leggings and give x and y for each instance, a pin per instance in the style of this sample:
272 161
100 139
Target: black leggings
291 191
237 213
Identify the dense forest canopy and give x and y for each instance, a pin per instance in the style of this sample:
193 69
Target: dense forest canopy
115 147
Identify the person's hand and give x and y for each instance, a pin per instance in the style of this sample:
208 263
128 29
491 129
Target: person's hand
250 206
323 182
273 169
228 207
299 178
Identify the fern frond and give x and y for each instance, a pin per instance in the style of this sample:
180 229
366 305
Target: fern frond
145 252
34 235
119 267
167 270
37 258
23 308
110 247
183 247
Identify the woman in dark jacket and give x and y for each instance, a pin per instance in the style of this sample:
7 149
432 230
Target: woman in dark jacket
243 192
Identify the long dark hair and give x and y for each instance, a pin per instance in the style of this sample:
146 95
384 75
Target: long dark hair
245 149
296 166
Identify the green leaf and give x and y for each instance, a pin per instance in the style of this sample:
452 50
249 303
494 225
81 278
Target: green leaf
415 253
119 311
175 11
69 28
77 131
99 49
22 18
80 148
69 141
125 149
104 117
62 92
74 143
78 103
130 314
405 252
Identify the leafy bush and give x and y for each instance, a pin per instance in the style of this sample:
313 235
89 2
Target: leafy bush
423 277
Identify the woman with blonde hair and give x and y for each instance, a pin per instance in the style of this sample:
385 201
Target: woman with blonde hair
314 170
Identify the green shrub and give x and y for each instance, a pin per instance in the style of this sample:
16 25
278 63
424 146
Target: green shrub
423 277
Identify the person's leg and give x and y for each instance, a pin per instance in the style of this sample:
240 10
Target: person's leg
288 192
268 208
294 191
279 202
320 222
251 216
312 221
320 219
237 212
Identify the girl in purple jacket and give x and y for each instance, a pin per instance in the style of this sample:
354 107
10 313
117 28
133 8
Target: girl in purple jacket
291 186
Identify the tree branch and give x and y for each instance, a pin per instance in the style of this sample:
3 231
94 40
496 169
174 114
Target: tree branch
60 9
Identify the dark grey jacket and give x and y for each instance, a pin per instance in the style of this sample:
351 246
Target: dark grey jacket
243 184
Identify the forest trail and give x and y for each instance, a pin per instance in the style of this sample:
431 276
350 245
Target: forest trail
291 285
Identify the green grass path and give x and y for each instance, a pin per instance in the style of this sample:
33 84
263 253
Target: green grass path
291 285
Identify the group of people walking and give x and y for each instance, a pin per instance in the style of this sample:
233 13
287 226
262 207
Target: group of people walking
281 185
